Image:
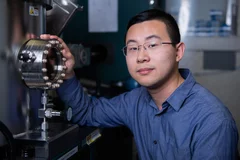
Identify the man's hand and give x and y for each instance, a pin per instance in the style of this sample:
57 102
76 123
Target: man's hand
66 53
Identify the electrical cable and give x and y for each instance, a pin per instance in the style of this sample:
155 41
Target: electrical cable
10 140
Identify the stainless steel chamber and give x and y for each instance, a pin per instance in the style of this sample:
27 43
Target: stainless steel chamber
42 64
30 67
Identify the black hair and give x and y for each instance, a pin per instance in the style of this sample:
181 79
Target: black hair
156 14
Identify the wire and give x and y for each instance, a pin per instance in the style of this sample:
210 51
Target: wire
10 140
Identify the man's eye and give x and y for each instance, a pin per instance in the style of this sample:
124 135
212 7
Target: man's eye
132 48
152 45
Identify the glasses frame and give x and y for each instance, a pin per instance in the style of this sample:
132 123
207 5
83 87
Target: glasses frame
125 54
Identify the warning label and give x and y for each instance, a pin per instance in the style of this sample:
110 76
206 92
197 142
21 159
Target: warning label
33 11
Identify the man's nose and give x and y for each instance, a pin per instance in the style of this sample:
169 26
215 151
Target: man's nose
142 54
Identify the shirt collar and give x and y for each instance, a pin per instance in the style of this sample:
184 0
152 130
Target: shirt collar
177 98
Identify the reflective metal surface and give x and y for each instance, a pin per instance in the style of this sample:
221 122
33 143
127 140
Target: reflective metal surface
35 18
35 15
42 64
38 63
60 14
37 144
15 29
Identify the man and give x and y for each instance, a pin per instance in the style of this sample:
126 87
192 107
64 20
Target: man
171 116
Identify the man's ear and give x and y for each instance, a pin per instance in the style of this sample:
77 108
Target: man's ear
180 48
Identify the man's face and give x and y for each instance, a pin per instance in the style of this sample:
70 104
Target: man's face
151 67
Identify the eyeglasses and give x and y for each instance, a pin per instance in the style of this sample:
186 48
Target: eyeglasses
150 47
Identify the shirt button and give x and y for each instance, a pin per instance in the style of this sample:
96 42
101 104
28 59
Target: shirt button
155 142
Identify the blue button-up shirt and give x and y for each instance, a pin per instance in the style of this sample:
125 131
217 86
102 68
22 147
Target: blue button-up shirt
192 124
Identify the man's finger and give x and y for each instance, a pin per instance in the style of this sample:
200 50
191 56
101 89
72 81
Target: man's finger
45 36
66 54
61 41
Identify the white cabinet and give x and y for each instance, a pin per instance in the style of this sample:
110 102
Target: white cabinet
207 24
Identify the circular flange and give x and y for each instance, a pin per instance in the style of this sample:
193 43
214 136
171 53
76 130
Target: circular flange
41 63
